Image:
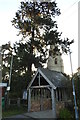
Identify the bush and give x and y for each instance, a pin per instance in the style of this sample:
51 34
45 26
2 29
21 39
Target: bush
65 114
13 95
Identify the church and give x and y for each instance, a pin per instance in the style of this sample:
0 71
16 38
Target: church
48 87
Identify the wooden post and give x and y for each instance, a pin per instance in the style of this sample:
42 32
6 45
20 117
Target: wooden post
9 102
65 97
34 94
0 103
37 94
41 100
56 95
18 102
39 79
59 94
0 82
53 102
29 100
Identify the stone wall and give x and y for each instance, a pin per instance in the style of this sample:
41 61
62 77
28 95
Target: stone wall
46 105
59 105
37 105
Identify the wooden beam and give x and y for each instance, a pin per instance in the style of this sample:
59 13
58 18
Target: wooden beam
56 95
43 86
32 80
41 100
44 76
39 79
53 102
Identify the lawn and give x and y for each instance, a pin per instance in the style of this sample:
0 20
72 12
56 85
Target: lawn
65 114
13 110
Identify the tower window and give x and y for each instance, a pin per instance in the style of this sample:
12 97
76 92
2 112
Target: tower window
55 60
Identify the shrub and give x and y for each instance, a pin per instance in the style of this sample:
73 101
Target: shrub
13 95
65 114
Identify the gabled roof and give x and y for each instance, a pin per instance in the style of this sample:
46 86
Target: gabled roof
54 78
57 78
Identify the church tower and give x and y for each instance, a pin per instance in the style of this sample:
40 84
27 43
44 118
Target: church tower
55 62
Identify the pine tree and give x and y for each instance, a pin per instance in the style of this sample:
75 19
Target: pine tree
36 23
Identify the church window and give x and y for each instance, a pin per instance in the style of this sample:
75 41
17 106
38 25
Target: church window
55 60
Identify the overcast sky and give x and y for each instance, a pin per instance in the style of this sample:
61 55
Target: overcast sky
67 23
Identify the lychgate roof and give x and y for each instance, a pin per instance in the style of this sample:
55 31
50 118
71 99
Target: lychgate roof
57 78
54 78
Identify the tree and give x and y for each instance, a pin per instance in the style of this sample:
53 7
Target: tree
76 78
20 77
6 60
35 22
24 57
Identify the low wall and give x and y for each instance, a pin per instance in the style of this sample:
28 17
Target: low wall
59 105
46 105
37 105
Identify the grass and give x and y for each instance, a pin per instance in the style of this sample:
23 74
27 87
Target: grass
65 114
13 110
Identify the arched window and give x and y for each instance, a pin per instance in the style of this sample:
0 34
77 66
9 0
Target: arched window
55 60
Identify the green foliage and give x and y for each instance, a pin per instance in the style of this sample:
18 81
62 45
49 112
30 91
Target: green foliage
6 58
35 14
65 114
20 77
31 19
13 110
77 86
24 57
76 78
13 95
35 22
19 83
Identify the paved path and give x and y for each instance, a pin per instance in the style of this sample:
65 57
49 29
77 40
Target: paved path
41 114
21 117
34 115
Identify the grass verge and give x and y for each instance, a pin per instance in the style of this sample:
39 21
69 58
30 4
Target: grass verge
65 114
13 110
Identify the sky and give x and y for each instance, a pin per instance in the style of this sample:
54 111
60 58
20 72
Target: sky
67 24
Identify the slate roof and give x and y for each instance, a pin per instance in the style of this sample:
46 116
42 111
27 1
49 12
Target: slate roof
57 78
54 78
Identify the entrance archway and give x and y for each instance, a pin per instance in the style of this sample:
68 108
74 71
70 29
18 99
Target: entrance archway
41 99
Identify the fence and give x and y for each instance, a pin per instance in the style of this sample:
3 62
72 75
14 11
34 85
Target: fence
17 102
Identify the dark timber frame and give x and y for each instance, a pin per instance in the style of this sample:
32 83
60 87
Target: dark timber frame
49 86
52 81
